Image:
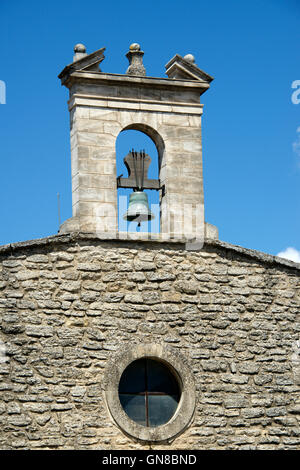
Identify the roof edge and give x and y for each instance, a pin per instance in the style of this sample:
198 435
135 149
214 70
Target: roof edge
73 237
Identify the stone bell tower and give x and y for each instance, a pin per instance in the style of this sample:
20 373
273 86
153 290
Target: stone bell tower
168 110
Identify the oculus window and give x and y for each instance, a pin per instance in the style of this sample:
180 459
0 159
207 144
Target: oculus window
149 392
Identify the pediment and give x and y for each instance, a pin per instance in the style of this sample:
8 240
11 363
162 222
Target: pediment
184 68
88 63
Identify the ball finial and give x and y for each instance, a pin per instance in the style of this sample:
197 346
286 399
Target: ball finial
135 47
80 48
135 57
190 58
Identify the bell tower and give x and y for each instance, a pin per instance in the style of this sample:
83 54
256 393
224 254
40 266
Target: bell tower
168 110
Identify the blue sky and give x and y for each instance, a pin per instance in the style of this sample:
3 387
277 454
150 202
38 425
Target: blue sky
250 126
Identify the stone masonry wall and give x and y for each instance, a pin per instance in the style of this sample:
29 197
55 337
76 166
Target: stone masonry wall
68 304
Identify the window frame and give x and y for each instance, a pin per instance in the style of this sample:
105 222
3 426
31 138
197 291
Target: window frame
186 407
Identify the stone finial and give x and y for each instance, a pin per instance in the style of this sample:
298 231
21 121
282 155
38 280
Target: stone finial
135 58
190 58
79 52
185 68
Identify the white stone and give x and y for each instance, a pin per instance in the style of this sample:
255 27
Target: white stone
100 109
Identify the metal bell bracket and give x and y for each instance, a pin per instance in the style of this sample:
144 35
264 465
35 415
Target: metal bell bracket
137 164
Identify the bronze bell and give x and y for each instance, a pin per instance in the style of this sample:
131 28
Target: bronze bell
138 208
137 164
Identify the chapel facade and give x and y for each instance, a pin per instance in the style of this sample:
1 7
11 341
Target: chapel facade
117 339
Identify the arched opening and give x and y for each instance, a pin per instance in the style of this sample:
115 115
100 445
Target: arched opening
139 137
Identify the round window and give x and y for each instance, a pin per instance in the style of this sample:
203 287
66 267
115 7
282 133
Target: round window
149 392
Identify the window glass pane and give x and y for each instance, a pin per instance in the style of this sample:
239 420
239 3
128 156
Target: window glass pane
133 378
149 382
161 379
161 408
134 406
